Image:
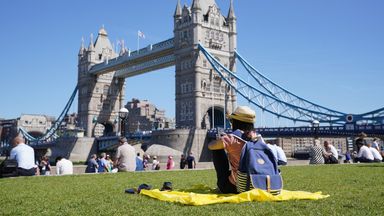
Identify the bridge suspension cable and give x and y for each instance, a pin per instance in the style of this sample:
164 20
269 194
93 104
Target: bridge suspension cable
51 132
268 101
279 92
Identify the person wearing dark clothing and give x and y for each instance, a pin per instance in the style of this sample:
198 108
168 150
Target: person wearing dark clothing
226 149
183 162
92 166
191 161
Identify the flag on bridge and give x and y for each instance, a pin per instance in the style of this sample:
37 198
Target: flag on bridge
140 34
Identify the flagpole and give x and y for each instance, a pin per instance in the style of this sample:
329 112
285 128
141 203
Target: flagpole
138 39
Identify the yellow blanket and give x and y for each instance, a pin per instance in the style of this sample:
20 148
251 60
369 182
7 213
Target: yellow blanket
191 198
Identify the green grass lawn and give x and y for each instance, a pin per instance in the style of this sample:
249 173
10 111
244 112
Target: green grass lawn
356 189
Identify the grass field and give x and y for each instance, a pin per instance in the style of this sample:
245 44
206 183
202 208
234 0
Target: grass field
356 189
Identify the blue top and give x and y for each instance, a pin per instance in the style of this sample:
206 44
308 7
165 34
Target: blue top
102 164
139 164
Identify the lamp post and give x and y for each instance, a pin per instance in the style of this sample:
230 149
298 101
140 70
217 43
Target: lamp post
123 114
315 125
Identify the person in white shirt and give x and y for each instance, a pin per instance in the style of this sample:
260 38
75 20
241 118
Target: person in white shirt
273 150
375 144
155 163
376 154
364 155
330 156
281 158
25 156
279 154
63 166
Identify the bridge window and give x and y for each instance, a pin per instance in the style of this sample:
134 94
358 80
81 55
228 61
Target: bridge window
100 56
206 18
221 38
204 63
84 90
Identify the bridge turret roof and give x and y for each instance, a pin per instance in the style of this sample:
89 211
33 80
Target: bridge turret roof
231 12
206 4
178 9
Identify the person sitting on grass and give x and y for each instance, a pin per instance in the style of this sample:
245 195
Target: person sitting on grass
316 153
25 156
103 164
63 166
330 154
92 166
364 155
376 154
227 149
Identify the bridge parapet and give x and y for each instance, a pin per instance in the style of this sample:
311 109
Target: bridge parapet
133 58
324 131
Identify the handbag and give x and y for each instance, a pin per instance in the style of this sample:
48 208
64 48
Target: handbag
8 168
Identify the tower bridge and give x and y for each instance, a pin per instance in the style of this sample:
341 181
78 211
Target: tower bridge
200 93
208 83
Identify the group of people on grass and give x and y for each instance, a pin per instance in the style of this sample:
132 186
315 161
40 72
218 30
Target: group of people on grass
126 159
226 152
23 156
367 152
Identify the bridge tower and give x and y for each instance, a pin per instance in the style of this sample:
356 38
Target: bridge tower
100 97
202 96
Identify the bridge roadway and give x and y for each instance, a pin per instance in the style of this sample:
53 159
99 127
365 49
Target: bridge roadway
153 57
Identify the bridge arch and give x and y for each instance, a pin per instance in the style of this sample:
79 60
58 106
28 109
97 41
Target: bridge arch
36 134
214 118
104 129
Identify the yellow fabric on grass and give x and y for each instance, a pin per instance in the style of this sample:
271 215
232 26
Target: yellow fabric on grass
191 198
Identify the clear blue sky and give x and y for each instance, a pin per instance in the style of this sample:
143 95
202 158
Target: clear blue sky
330 52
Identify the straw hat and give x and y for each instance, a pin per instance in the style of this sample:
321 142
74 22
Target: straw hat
244 114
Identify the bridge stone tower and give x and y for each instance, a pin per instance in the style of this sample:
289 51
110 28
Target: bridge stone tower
100 97
202 97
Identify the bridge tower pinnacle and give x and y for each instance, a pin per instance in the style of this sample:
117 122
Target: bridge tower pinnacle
100 97
202 98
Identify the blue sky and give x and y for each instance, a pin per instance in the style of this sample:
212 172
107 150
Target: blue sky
330 52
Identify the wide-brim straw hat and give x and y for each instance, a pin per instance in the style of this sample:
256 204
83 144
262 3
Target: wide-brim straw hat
244 114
